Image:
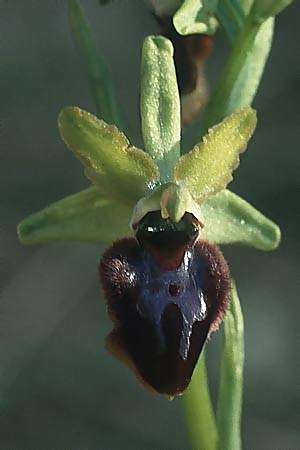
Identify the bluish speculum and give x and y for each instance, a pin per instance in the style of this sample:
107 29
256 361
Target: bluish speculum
176 286
165 291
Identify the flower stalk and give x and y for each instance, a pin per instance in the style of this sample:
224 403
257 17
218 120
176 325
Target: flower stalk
199 411
229 407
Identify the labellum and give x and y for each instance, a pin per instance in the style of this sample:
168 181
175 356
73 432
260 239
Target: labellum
166 291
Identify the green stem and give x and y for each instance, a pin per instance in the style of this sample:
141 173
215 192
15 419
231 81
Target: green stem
231 378
100 82
199 411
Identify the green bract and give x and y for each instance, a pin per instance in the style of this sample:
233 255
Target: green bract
129 184
249 26
196 16
242 73
231 15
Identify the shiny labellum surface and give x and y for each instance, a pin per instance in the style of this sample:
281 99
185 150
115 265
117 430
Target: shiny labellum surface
165 293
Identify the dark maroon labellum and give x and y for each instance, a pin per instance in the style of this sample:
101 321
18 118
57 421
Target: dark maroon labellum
165 292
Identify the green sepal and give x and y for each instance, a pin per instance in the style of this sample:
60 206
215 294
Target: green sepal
82 217
231 377
120 171
87 217
207 169
196 16
160 104
228 219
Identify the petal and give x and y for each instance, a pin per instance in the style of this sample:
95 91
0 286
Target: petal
84 217
208 168
228 219
120 171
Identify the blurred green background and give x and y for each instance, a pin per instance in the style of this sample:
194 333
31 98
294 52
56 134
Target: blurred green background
59 388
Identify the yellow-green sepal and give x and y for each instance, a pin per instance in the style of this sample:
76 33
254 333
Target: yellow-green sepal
88 217
119 170
82 217
228 219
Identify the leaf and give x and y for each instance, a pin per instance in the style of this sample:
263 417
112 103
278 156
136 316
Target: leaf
207 168
196 16
101 85
160 104
83 217
120 171
231 377
228 219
